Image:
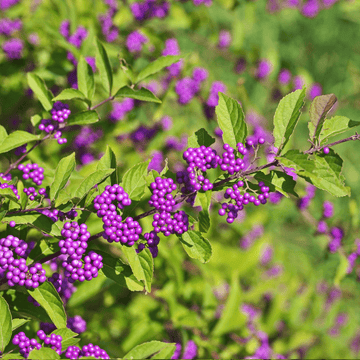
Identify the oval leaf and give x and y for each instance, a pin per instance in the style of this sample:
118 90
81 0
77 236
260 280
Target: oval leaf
157 65
16 323
134 180
103 64
16 139
37 85
335 126
62 174
286 117
69 94
85 78
83 118
230 118
50 300
143 94
5 324
196 246
43 353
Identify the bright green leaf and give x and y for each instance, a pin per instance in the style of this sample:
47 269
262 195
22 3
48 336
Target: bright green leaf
85 78
3 134
230 117
38 86
286 117
196 246
68 337
143 94
145 350
69 94
134 180
201 137
5 324
277 181
16 139
108 161
44 353
335 126
103 64
83 118
16 323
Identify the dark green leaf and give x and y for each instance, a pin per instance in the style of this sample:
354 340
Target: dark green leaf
68 337
322 171
103 64
204 221
50 300
62 174
230 117
43 353
85 78
119 272
277 181
5 324
88 183
319 108
134 180
286 117
201 137
83 118
16 139
143 94
196 246
145 350
44 95
335 126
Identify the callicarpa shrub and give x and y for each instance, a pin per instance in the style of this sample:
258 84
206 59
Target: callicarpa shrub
172 180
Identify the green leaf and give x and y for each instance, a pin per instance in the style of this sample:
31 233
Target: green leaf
278 181
319 108
43 353
9 194
85 78
341 270
38 86
16 139
83 118
134 180
145 350
165 353
108 161
324 172
23 197
201 137
69 94
5 324
89 182
39 221
230 118
119 272
62 198
50 300
157 65
141 264
62 174
196 246
35 120
68 337
16 323
103 64
231 318
3 134
204 221
143 94
286 117
11 356
335 126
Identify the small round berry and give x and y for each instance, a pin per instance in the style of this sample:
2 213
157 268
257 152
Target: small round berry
12 223
326 150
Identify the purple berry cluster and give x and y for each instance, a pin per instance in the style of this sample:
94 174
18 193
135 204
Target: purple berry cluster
53 340
76 237
126 232
152 242
59 114
161 198
55 214
109 29
190 351
13 48
172 48
74 352
25 344
238 201
32 193
167 224
76 324
304 202
135 41
149 9
8 26
33 172
87 269
352 257
187 87
121 108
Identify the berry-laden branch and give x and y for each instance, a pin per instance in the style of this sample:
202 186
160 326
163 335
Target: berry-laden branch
323 147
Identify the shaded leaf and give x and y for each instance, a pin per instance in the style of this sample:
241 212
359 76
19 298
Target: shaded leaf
85 78
201 137
196 246
5 324
16 323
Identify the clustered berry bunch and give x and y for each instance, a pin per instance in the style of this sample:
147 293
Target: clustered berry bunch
115 229
59 114
15 269
152 242
74 352
33 172
166 224
62 286
32 193
76 324
26 345
161 198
